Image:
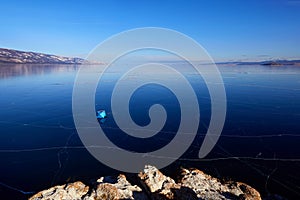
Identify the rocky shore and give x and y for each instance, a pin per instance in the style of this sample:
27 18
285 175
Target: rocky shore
153 184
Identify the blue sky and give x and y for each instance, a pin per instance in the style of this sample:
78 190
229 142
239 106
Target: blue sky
228 30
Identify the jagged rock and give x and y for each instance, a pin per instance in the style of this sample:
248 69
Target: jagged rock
160 186
112 189
104 191
72 191
193 184
207 187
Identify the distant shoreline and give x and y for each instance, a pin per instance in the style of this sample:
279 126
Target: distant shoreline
11 56
264 63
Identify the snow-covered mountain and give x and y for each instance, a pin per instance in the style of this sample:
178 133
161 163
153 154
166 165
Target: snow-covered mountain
22 57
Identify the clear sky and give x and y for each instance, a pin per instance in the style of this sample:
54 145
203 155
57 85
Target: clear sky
228 29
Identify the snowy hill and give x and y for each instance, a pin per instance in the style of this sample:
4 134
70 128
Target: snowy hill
22 57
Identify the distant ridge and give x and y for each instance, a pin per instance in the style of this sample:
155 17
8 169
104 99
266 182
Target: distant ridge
267 63
23 57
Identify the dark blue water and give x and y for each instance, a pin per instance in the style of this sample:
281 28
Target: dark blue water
259 145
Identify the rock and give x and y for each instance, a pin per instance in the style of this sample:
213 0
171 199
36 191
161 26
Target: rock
157 184
193 184
119 188
160 186
68 191
249 193
207 187
104 191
